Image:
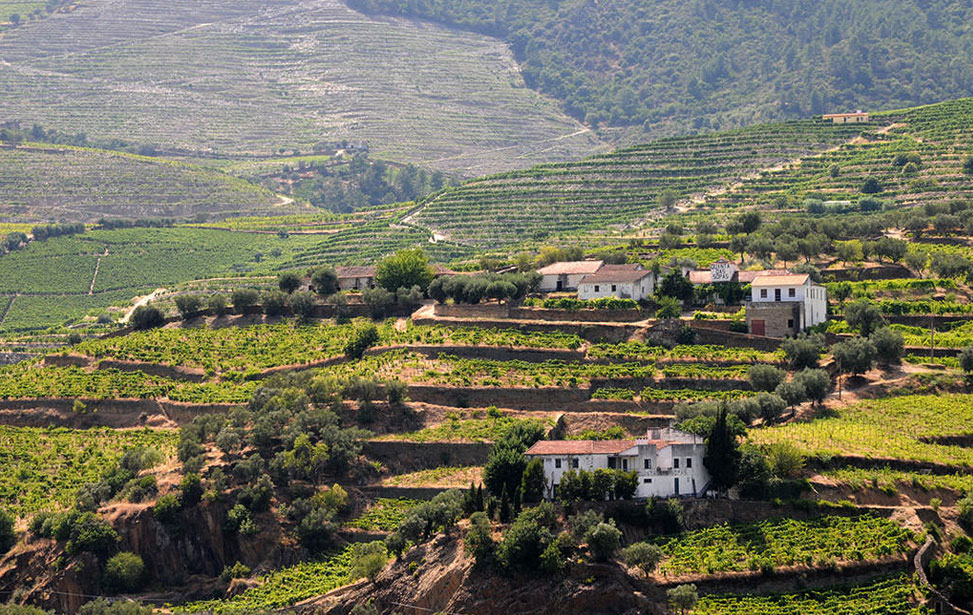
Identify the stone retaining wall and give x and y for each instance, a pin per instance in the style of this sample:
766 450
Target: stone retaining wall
402 456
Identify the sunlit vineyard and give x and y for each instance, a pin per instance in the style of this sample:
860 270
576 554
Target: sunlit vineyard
41 469
385 514
897 427
283 587
616 188
782 542
892 596
67 183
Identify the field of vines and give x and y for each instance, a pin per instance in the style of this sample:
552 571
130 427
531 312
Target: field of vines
41 469
55 279
47 182
251 78
885 479
891 596
256 347
385 514
617 188
949 335
446 476
283 587
782 542
462 428
638 351
27 381
939 134
897 427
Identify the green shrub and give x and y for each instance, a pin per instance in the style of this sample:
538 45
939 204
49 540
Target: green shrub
166 509
236 571
90 533
7 534
124 572
147 317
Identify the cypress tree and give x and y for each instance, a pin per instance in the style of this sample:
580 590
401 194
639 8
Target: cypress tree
722 457
504 506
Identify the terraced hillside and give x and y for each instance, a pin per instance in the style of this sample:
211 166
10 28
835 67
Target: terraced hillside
252 77
617 188
41 182
935 139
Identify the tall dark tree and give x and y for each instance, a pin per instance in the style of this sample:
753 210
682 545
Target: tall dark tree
722 457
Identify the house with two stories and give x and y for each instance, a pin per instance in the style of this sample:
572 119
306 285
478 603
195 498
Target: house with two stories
782 305
668 462
620 281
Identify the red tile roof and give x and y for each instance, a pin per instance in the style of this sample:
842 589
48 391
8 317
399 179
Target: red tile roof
355 272
615 275
580 447
571 268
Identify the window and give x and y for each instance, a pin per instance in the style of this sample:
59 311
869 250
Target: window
647 481
790 323
689 462
647 463
614 288
763 293
791 292
557 463
574 463
625 464
675 463
612 463
597 288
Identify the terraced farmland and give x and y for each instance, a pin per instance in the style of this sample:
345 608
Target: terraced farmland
53 281
258 76
905 427
939 134
618 188
41 466
41 182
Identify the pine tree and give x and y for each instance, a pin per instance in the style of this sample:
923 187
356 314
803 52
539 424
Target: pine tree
504 506
722 457
479 497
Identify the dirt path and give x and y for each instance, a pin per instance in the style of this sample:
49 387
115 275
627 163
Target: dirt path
143 301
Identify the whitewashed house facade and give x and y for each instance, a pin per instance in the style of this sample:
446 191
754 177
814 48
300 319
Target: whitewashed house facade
566 276
619 281
785 304
669 463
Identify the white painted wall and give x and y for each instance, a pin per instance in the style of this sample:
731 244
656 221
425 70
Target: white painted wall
813 296
657 478
638 290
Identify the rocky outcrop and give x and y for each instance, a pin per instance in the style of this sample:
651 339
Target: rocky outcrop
439 577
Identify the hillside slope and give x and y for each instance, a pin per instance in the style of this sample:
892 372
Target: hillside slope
675 67
719 171
42 182
258 76
616 189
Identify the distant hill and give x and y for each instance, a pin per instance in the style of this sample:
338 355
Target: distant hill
264 77
771 166
47 182
677 66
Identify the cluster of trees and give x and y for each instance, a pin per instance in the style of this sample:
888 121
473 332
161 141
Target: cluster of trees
17 239
13 133
344 187
604 62
289 437
43 231
597 485
473 289
114 223
13 241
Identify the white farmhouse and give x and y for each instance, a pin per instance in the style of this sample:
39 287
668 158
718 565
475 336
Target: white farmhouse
785 304
619 281
668 462
566 276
